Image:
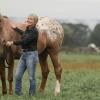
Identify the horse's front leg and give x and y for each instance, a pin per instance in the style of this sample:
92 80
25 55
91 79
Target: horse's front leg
3 79
10 78
10 62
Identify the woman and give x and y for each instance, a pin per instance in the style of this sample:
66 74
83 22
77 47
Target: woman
29 57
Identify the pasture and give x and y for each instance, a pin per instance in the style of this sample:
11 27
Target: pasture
80 80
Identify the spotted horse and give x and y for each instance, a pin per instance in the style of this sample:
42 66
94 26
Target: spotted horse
50 39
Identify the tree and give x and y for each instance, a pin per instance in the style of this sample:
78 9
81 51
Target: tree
76 34
95 35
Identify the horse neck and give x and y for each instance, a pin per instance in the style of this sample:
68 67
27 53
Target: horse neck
1 29
7 30
6 24
9 33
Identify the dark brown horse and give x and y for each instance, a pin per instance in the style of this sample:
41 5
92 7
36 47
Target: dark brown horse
49 42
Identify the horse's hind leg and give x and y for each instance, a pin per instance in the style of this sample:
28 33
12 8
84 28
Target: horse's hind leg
3 79
58 70
44 68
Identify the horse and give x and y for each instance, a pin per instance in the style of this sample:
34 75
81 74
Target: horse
7 54
50 40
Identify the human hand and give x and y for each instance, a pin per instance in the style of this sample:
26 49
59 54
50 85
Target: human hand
9 43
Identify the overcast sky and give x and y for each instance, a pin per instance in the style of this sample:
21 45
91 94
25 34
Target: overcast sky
74 9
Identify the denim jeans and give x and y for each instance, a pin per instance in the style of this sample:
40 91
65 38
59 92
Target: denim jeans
28 60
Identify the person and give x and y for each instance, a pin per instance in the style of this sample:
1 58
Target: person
29 56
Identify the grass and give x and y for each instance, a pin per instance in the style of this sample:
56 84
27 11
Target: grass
82 85
77 83
79 57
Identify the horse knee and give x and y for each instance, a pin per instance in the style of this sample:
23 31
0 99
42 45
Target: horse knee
58 73
3 78
10 78
45 74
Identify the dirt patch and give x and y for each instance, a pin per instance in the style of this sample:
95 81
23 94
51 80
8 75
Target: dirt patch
90 65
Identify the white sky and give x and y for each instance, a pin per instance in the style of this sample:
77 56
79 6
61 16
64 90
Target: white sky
74 9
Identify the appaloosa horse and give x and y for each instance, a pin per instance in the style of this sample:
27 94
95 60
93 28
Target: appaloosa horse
49 41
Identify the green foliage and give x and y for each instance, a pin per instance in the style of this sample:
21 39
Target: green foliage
75 34
95 36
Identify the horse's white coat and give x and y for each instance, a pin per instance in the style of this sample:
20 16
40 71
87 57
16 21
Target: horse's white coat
53 28
57 88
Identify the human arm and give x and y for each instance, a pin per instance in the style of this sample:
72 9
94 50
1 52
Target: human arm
18 30
27 39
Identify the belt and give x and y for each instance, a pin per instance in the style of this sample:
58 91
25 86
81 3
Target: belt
26 50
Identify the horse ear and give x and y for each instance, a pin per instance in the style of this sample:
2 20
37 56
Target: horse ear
1 17
5 16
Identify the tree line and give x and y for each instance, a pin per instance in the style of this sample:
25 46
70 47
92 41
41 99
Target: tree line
76 35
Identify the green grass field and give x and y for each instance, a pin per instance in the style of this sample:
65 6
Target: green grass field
80 80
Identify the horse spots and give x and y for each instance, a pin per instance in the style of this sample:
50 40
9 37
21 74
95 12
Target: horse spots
52 27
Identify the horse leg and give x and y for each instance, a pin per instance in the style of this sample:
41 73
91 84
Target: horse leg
44 68
3 79
10 62
10 78
57 69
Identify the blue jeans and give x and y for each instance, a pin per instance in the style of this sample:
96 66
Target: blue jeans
28 60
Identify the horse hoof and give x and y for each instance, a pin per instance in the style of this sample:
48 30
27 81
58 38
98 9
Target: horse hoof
56 93
41 90
11 93
4 93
